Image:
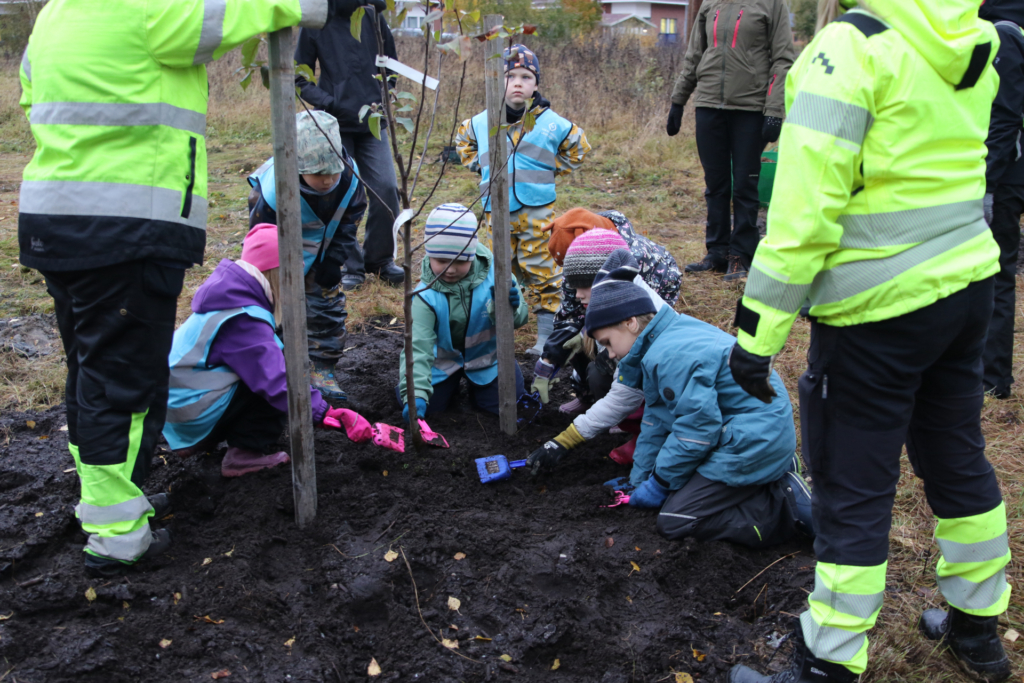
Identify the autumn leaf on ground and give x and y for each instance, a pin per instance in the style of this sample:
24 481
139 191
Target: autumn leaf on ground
90 593
223 673
374 668
460 556
554 667
207 619
1011 636
289 642
450 644
165 643
635 566
5 617
454 603
207 561
40 514
177 596
391 556
683 678
506 658
697 654
230 552
483 639
31 424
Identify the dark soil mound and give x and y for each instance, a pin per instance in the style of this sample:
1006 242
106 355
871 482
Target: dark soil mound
547 578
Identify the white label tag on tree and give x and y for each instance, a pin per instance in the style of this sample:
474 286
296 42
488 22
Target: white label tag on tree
407 71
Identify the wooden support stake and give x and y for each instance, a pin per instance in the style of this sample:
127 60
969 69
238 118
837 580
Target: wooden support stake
501 240
293 291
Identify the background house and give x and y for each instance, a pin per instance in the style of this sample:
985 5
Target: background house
670 18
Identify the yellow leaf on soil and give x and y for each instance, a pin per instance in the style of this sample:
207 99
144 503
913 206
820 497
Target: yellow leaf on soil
450 644
210 620
697 654
90 593
223 673
230 552
637 548
177 596
5 617
31 424
483 639
629 600
70 469
454 603
506 658
207 561
683 678
374 668
393 321
636 567
166 643
385 473
391 556
554 667
39 514
289 642
460 556
1011 636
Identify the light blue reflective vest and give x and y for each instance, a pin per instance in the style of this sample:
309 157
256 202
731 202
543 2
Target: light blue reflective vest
531 168
199 394
314 232
481 357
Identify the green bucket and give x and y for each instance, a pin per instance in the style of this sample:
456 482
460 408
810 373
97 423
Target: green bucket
769 161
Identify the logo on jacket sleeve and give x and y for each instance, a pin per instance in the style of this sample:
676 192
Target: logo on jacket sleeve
829 68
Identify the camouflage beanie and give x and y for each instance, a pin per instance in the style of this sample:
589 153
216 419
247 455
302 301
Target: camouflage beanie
521 57
314 150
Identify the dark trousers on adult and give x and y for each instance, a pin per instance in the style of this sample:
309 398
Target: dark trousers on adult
1006 212
869 389
117 324
325 320
729 144
756 516
377 170
249 422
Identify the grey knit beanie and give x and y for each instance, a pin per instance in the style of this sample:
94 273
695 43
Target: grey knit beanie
614 297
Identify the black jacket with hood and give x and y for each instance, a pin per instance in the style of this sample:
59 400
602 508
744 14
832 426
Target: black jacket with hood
347 65
1005 131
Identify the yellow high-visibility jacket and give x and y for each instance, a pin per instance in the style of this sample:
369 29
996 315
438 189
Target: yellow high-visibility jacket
877 205
115 92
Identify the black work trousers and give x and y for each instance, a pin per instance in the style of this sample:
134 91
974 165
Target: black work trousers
870 388
1006 212
377 171
729 144
117 324
755 516
594 382
249 422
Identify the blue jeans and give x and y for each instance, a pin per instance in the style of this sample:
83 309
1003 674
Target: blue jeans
481 397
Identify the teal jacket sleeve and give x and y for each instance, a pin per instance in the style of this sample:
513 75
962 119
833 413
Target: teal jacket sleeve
424 337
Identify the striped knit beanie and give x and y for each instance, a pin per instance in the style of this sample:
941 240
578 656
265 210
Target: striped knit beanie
451 233
615 297
587 254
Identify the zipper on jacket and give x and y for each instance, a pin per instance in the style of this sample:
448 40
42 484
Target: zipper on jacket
736 29
186 207
771 84
714 30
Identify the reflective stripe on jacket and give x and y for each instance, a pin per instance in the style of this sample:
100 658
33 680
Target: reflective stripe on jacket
531 168
116 95
314 232
480 359
200 394
877 206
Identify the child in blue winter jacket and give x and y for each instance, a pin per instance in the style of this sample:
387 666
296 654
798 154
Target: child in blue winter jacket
717 462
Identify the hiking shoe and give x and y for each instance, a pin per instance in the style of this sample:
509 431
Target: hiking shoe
737 270
99 567
974 641
805 668
715 264
798 499
350 281
389 273
321 376
545 326
241 461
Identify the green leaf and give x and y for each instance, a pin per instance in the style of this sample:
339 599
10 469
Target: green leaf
362 111
378 77
375 125
304 71
391 6
493 131
404 108
401 17
249 49
408 123
265 76
529 119
246 81
405 96
437 34
356 22
433 16
451 47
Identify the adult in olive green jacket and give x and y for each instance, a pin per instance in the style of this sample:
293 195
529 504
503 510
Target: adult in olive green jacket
735 66
112 212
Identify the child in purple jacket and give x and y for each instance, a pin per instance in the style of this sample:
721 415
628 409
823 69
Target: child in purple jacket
227 367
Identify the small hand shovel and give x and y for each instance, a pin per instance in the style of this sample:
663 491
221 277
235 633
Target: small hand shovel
495 468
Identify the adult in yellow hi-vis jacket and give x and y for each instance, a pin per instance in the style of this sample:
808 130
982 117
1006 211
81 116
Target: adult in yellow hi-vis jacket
877 219
112 212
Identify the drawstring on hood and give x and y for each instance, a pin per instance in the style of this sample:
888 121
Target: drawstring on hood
948 34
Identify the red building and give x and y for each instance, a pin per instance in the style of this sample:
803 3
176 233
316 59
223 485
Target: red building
671 18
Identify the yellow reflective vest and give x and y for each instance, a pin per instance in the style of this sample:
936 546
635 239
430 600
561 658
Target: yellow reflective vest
877 205
115 92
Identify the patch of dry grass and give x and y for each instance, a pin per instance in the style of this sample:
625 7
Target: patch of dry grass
620 98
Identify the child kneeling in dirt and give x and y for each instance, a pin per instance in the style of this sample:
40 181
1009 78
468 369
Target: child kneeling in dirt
333 201
453 331
718 462
227 367
554 147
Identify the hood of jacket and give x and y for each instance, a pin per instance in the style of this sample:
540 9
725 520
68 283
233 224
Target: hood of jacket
229 287
1002 10
944 33
477 274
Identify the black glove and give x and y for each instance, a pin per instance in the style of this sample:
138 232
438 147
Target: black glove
554 348
675 119
752 373
328 273
771 128
546 457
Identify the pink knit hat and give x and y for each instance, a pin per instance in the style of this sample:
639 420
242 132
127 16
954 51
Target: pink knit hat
260 247
587 254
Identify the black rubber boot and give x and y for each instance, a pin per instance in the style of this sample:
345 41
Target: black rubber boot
107 567
974 641
806 668
709 262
